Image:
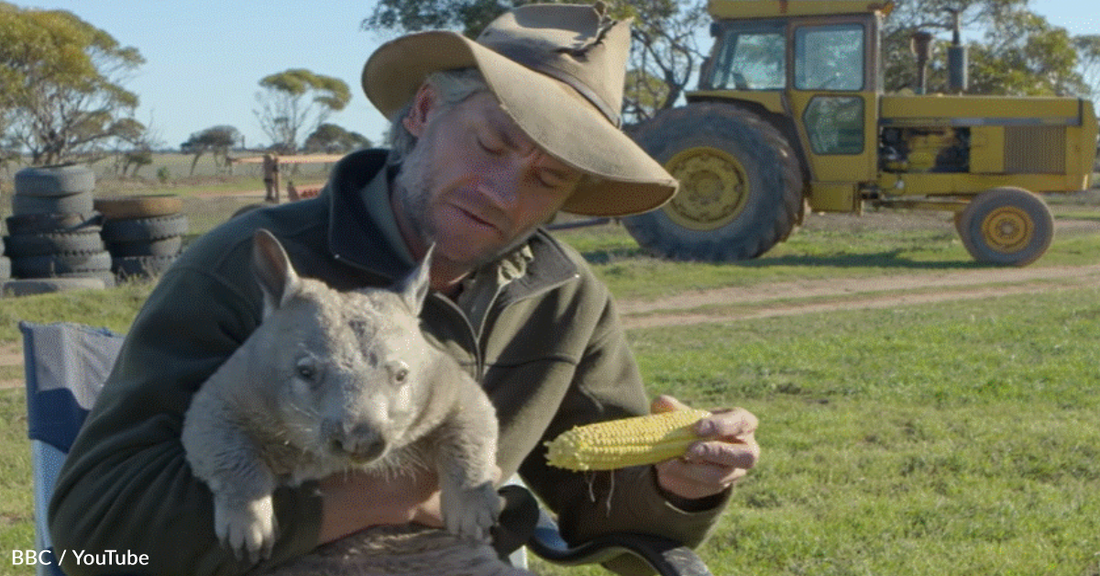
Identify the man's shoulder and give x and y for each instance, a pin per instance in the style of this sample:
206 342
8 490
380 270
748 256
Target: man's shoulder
557 263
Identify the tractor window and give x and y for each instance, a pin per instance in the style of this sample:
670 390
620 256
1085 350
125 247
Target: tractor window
835 124
750 60
829 58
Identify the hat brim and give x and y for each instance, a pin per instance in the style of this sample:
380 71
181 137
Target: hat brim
624 178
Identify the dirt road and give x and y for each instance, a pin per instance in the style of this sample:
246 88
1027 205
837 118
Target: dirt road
804 297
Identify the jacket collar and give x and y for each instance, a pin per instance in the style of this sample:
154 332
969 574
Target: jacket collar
354 237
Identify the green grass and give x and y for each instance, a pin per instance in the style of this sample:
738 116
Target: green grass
856 249
114 308
16 489
933 440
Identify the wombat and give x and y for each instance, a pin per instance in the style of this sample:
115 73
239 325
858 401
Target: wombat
332 381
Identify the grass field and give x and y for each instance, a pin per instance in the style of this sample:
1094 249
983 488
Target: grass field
959 438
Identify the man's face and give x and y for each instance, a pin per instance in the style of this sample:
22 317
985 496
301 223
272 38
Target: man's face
474 183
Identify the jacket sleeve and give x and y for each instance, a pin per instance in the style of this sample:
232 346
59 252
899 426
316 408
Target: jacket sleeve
126 485
607 385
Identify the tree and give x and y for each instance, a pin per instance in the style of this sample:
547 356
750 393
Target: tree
664 54
1088 49
469 16
664 51
297 101
332 139
61 84
217 140
1019 54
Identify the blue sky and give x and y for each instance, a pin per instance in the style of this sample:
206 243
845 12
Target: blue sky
204 58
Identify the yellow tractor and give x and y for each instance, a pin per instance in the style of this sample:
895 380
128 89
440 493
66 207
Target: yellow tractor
791 114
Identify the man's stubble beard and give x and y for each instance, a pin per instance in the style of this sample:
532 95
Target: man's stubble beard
413 187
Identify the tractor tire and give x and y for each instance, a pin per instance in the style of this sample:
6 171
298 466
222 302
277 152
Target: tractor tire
143 229
1006 226
125 207
741 185
49 222
60 265
75 203
54 181
23 245
1009 226
160 247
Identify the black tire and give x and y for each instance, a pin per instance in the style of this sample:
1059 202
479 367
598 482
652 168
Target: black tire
58 265
741 184
161 247
1007 226
143 229
5 268
30 287
127 207
47 222
79 203
54 181
127 267
21 245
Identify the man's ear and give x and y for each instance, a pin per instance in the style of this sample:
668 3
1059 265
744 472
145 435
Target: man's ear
423 103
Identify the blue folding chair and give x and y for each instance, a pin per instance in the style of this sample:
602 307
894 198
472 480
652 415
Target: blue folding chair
66 365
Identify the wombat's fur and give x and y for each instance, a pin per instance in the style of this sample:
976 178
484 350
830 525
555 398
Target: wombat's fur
331 381
400 551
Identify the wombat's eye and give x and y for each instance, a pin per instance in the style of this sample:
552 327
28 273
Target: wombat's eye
306 370
399 371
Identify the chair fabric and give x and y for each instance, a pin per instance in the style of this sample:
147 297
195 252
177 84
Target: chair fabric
65 366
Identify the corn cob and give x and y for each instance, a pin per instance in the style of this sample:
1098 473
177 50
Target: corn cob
626 442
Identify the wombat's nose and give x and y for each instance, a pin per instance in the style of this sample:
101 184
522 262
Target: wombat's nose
360 444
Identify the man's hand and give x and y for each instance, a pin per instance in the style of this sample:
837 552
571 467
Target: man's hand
711 465
356 500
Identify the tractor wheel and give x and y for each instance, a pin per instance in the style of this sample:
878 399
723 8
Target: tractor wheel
740 185
1008 226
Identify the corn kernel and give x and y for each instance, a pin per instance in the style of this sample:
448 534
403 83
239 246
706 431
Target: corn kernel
625 442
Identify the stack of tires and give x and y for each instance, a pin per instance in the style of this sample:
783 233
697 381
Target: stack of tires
53 240
144 234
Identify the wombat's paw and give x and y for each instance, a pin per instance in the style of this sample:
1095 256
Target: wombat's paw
246 528
471 512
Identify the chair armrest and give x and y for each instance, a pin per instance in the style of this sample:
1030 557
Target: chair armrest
667 557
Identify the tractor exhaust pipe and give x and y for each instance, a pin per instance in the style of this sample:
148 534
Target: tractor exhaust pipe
957 60
921 45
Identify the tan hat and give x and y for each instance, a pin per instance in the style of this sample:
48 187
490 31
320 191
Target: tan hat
558 70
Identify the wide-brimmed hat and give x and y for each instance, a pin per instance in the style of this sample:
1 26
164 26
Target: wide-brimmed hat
558 70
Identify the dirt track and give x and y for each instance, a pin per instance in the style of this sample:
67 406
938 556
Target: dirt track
792 298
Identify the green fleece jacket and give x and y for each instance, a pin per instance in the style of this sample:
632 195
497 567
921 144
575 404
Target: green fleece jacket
551 354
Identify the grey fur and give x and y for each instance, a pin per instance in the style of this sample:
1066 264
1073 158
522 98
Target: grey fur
332 381
400 551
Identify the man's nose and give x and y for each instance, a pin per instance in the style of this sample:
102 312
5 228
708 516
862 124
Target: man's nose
503 182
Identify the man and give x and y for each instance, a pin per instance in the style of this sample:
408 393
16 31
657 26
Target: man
491 139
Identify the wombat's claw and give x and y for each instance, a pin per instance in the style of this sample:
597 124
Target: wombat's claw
472 511
247 528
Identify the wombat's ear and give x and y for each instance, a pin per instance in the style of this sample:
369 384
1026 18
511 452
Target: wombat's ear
414 288
273 271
